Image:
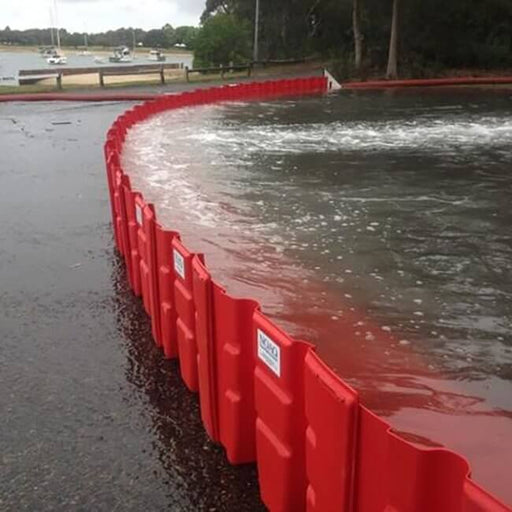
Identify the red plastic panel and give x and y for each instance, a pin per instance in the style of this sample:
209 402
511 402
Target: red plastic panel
121 183
402 476
133 254
165 278
235 368
146 243
121 217
478 500
429 82
206 360
112 165
280 416
185 314
111 159
143 251
332 410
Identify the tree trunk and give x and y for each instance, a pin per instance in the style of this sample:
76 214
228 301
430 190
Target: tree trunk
392 71
358 37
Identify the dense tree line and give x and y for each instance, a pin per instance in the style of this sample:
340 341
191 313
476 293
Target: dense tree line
410 37
414 37
165 37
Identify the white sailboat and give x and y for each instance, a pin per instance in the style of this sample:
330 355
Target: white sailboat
85 52
58 57
156 55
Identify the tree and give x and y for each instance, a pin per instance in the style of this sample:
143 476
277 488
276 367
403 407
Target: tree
155 38
222 39
217 6
426 37
186 35
358 36
169 35
392 70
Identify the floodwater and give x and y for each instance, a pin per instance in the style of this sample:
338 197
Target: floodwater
374 224
12 62
92 416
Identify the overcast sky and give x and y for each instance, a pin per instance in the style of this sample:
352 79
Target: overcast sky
100 15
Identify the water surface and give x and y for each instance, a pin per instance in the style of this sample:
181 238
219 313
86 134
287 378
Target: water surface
376 225
11 62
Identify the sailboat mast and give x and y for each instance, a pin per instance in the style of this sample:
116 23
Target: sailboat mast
57 23
51 26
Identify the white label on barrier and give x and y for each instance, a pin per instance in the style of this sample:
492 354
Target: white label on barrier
179 263
269 352
138 214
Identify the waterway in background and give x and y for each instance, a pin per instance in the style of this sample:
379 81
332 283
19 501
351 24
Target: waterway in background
376 225
12 62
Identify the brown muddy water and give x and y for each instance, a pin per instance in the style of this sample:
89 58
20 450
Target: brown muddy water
376 225
92 417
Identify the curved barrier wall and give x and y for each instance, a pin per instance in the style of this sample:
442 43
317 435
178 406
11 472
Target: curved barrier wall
429 82
265 397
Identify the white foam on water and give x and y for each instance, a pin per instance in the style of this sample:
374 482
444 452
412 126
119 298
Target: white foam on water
421 133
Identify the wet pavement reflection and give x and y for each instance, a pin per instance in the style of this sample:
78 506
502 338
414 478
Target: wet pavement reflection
193 466
93 418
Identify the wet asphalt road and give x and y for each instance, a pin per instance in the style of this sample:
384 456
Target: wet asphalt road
93 418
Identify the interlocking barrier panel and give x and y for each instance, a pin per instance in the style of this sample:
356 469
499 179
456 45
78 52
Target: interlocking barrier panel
232 332
165 297
132 240
264 396
185 314
206 360
280 416
332 410
146 243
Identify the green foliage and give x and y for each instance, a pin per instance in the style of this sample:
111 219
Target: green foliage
166 37
222 39
433 34
155 38
186 35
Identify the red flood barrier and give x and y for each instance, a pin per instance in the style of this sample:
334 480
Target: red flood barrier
146 244
112 164
225 364
165 299
403 476
429 82
185 314
206 361
280 416
235 386
142 247
132 220
264 396
122 218
332 410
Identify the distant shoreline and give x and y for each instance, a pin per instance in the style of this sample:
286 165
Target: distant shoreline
97 50
89 82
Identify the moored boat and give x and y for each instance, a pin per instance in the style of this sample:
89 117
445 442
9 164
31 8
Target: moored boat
121 54
156 55
57 59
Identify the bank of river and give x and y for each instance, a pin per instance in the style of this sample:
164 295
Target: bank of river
376 225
